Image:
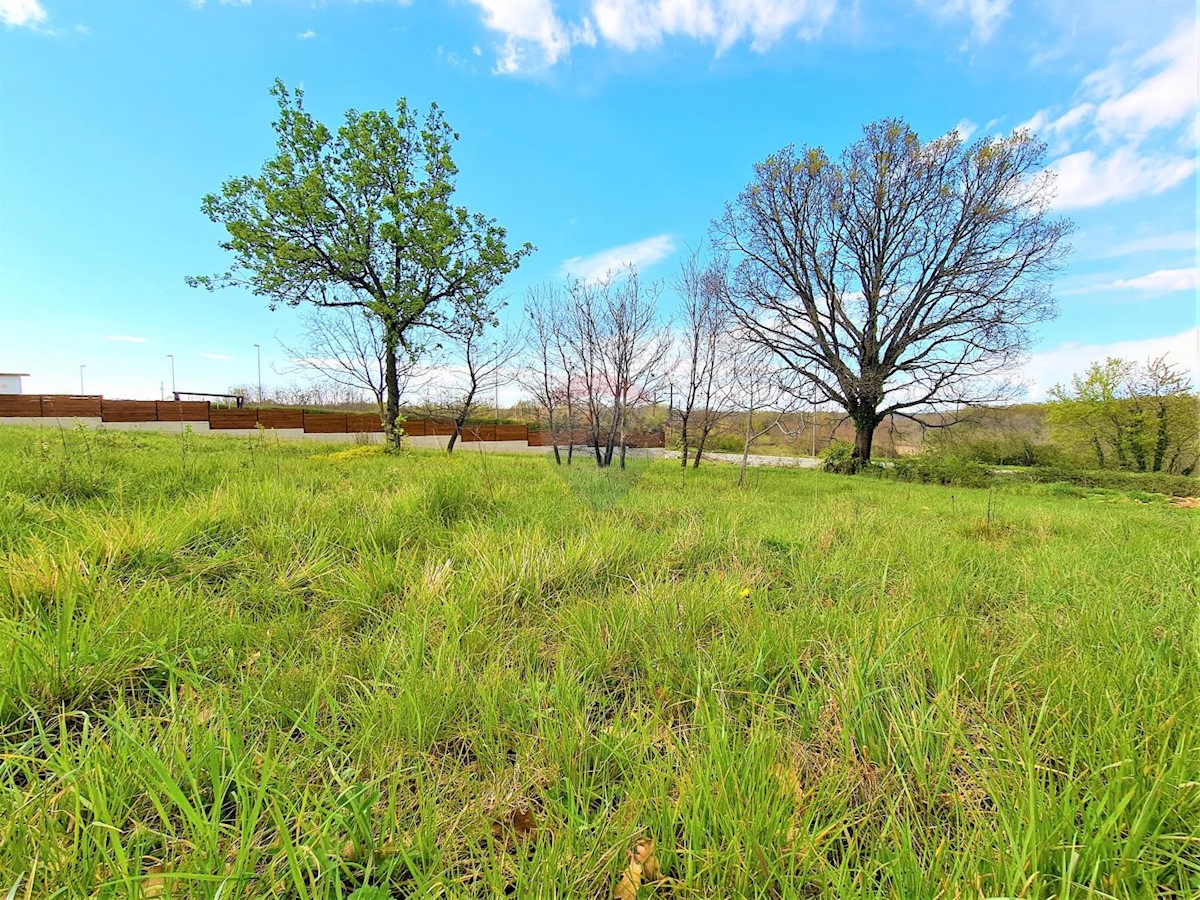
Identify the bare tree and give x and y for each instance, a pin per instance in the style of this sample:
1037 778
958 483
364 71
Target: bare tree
760 386
345 345
546 373
705 357
476 360
901 276
613 333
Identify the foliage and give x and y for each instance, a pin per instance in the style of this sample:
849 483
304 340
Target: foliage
363 217
900 276
839 458
1131 416
941 468
254 674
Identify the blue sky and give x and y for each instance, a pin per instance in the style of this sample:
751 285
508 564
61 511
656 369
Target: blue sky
603 131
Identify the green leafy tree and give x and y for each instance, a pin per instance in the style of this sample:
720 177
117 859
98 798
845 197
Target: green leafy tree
363 217
1130 416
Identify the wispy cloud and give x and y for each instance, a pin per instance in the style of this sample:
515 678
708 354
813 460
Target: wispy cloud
22 13
985 16
1162 281
1056 365
126 339
1175 240
221 357
641 254
965 129
307 35
1087 178
535 35
1122 135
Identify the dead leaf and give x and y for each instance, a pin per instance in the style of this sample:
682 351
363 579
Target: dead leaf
521 822
643 866
153 884
789 780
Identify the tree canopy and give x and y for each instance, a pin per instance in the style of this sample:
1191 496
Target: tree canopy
899 276
362 216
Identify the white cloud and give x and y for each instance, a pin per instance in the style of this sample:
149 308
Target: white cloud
1086 179
307 35
1056 365
1163 92
1164 281
217 356
1127 104
83 29
965 129
1127 101
127 339
641 253
29 13
985 15
632 24
1175 240
535 35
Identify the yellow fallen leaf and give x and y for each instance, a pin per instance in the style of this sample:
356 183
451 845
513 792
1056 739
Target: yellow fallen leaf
153 884
643 866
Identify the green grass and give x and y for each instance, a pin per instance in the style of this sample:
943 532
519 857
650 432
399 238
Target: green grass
238 668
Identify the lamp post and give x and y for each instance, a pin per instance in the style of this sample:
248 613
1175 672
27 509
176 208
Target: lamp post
81 368
258 352
496 386
171 357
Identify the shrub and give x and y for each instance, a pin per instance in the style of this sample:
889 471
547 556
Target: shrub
941 469
838 458
1152 482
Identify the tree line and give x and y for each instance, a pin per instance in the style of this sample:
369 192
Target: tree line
899 278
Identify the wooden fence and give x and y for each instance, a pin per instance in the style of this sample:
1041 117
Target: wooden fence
185 411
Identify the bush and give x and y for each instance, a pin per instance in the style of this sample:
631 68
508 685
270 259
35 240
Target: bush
724 443
838 458
941 469
1152 482
997 450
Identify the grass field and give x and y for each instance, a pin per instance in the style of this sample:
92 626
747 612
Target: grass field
237 668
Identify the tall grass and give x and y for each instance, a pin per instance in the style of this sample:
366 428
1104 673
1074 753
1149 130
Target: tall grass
237 668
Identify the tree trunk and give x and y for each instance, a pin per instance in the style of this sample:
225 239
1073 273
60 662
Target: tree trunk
746 448
864 435
391 379
1163 440
554 437
700 448
683 440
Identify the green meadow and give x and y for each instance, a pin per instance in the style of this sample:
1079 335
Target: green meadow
240 668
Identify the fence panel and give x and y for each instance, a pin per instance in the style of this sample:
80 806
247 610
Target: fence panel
358 423
325 423
183 410
129 410
20 405
281 418
415 427
68 405
222 419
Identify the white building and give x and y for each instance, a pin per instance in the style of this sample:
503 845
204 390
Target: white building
10 382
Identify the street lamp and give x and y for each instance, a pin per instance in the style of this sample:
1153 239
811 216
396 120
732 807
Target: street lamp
81 368
171 357
258 352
